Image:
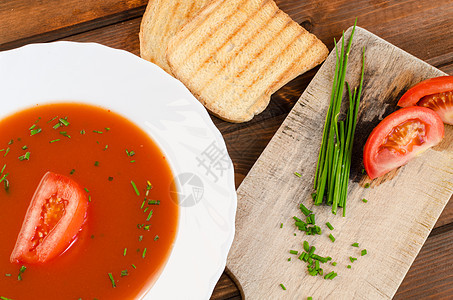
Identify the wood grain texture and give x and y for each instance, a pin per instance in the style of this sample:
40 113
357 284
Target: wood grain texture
24 22
408 24
392 234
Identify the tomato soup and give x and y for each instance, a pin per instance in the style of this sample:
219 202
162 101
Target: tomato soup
131 219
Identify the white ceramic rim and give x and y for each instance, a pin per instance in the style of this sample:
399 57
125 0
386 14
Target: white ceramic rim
95 74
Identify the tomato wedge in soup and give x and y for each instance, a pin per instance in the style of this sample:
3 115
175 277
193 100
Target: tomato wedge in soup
54 218
400 137
434 93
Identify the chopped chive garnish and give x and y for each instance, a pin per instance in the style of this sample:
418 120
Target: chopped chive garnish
149 186
143 204
329 226
309 298
140 238
96 163
312 250
5 183
293 252
107 128
331 237
132 161
352 259
52 119
10 142
65 134
355 245
110 178
281 225
3 169
133 266
349 266
135 188
317 265
26 156
72 171
144 253
306 246
89 198
31 128
6 151
125 251
82 131
35 131
112 280
289 259
4 298
105 148
363 252
53 141
330 275
56 126
4 177
305 210
24 147
86 190
156 237
97 131
149 215
124 273
154 202
146 209
334 264
21 271
364 200
64 121
297 174
282 286
146 227
139 226
367 185
8 275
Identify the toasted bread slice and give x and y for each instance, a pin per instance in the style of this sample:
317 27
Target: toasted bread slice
161 21
235 54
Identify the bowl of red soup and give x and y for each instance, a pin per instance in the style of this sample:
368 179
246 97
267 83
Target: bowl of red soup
114 182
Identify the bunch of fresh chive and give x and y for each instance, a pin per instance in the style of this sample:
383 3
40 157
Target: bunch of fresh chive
310 220
334 160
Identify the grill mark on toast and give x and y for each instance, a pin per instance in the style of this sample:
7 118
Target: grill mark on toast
239 50
274 58
187 33
189 11
287 70
229 38
212 32
168 24
250 61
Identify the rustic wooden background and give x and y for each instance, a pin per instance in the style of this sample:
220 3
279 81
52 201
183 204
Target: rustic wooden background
421 27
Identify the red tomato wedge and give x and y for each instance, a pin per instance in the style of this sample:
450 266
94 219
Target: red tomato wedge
434 93
54 218
399 137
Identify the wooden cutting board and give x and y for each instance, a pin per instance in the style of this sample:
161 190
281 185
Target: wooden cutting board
392 226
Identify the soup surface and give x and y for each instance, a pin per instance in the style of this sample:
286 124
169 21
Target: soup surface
131 219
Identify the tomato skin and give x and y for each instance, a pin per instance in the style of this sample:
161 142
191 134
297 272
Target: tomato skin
437 85
66 229
379 161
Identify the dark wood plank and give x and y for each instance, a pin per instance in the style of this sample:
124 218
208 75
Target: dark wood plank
25 21
431 275
400 22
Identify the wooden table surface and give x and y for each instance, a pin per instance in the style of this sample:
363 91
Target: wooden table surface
423 28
